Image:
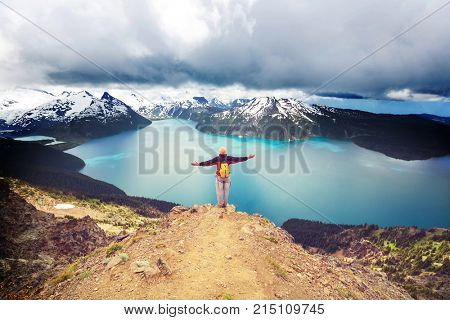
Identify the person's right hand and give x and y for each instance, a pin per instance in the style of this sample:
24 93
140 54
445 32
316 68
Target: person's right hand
195 163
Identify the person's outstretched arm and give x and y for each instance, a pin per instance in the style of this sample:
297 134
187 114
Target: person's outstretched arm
211 162
232 160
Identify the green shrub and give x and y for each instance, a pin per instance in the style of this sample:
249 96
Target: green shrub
271 239
85 275
123 257
228 296
66 274
277 268
113 248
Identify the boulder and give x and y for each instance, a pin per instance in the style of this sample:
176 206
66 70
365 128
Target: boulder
143 266
122 235
114 261
178 209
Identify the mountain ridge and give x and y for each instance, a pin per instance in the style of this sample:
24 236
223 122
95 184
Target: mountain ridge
205 252
406 137
77 116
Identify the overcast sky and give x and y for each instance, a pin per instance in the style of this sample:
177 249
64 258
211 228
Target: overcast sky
289 45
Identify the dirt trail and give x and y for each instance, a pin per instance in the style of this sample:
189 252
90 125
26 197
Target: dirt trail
219 254
206 252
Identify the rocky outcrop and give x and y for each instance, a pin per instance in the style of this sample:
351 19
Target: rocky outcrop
34 245
75 237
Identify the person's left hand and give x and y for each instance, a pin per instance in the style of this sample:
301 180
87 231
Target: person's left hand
250 156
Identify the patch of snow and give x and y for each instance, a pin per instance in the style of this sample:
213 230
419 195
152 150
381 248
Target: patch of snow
34 138
64 206
54 143
79 102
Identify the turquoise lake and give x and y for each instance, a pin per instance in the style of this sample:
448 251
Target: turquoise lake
319 179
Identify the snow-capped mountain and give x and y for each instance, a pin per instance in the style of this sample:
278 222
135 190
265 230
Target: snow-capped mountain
259 113
219 104
15 102
76 116
134 99
290 118
190 109
32 110
237 103
79 114
259 108
162 107
408 137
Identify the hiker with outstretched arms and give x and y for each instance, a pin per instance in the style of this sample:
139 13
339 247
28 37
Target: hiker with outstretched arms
223 181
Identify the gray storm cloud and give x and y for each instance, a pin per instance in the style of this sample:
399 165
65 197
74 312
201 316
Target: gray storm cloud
259 44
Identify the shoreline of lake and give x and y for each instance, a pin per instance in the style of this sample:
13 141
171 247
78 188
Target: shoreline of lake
377 189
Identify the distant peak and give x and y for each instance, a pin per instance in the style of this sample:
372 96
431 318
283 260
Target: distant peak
66 93
107 96
265 99
112 100
72 93
201 100
84 92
